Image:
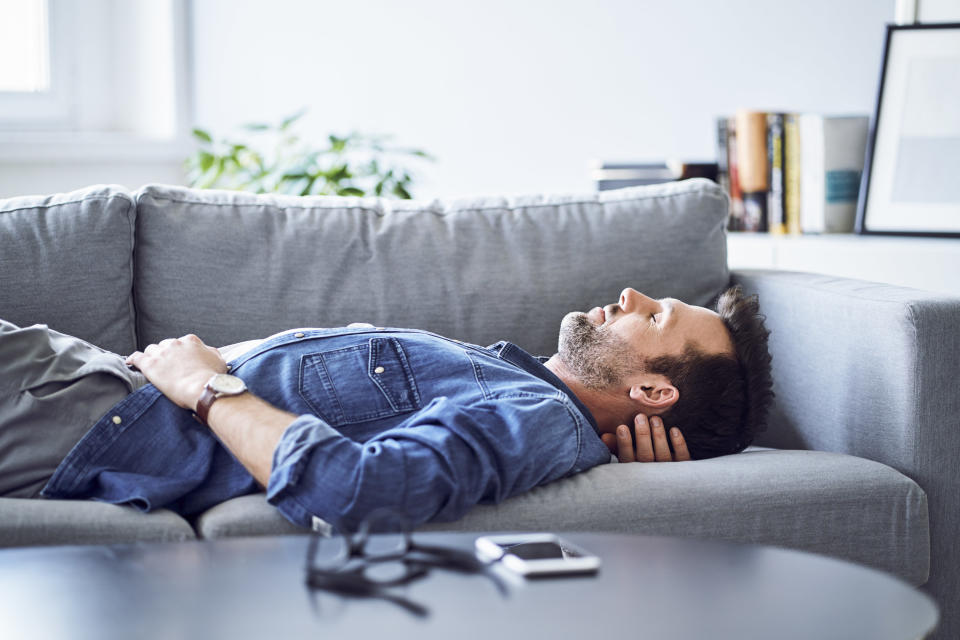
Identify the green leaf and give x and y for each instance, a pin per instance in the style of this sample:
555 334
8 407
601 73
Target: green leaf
202 135
422 154
305 191
339 173
289 120
205 160
400 192
350 191
256 126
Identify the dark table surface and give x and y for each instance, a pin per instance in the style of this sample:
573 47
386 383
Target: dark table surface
649 587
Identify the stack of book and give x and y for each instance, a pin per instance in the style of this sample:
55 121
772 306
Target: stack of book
791 172
617 175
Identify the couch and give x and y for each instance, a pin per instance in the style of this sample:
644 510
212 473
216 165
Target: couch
858 461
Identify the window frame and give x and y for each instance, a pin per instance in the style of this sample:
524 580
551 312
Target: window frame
104 110
55 108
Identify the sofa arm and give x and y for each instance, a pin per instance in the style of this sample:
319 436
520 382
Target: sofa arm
871 370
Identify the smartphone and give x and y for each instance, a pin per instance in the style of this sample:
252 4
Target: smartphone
537 554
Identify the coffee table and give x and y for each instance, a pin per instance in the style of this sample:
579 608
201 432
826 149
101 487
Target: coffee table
651 587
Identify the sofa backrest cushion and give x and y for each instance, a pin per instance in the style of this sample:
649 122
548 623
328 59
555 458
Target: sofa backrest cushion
233 266
66 261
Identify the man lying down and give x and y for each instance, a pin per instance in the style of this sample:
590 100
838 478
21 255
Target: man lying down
335 423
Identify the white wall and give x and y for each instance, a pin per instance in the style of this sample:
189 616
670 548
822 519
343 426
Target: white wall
519 96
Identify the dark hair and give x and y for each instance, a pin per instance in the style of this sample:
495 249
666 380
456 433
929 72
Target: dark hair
723 401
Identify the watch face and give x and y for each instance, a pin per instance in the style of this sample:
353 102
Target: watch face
226 384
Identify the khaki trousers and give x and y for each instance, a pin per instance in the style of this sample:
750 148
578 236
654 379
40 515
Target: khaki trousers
53 389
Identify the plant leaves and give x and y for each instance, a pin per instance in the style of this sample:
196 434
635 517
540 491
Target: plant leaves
289 120
205 160
401 192
202 135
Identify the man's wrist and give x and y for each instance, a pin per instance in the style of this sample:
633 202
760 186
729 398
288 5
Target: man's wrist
219 385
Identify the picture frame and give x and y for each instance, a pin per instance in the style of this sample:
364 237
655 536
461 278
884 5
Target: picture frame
910 184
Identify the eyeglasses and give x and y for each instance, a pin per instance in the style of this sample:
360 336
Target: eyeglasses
380 555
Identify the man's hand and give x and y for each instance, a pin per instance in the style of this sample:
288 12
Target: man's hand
651 442
179 367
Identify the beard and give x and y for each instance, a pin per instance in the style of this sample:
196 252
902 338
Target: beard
598 358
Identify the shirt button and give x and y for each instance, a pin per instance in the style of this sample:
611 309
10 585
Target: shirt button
378 370
117 420
298 334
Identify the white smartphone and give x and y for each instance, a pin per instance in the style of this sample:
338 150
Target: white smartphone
537 554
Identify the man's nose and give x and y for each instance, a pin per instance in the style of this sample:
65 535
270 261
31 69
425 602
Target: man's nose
632 301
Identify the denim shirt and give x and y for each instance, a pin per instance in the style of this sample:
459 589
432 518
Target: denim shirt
386 417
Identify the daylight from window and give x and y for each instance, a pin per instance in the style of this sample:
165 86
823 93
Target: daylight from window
24 49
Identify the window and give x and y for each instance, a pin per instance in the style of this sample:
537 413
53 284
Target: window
93 68
24 37
34 84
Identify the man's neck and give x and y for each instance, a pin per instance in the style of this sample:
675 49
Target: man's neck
608 407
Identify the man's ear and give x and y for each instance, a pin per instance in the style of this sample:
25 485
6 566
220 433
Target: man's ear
656 395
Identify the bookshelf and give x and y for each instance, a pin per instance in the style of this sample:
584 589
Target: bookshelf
922 263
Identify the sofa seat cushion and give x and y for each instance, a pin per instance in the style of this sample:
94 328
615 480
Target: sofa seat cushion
67 262
48 522
828 503
478 270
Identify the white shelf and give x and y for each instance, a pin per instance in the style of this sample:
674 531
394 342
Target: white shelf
922 263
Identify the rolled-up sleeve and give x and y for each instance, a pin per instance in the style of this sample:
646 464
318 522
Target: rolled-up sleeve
435 465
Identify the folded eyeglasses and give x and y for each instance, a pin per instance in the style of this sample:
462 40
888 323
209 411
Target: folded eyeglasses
380 555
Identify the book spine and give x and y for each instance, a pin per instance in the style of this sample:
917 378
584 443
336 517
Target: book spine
723 173
733 166
844 145
752 158
811 173
776 218
791 172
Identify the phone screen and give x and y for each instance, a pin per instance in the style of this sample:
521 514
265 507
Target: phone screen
539 551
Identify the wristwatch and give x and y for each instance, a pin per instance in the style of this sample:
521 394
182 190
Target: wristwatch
220 385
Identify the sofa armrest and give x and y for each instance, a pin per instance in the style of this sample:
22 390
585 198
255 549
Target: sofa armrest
861 368
871 370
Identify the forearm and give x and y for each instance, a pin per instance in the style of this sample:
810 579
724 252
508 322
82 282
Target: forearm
251 429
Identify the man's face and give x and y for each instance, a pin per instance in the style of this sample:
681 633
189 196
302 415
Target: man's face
605 345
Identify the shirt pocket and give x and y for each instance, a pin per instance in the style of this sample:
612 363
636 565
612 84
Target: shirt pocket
359 383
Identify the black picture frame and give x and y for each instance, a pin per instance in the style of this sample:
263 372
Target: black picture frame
876 162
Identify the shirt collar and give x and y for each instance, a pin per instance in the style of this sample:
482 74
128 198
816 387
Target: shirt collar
534 366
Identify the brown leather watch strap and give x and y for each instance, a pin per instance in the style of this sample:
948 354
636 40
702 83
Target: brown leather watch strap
204 403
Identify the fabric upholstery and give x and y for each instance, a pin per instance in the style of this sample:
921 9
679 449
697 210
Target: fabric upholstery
871 370
48 522
231 266
67 262
827 503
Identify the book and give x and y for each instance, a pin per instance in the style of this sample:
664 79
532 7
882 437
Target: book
723 171
791 172
735 222
751 130
776 195
832 152
618 175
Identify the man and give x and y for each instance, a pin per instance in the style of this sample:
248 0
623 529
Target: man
337 422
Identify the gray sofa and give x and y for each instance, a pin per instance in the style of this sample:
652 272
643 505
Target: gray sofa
858 462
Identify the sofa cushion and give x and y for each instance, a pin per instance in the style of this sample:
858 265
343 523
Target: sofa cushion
233 266
67 262
828 503
48 522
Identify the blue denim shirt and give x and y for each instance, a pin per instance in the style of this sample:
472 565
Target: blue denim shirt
386 417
